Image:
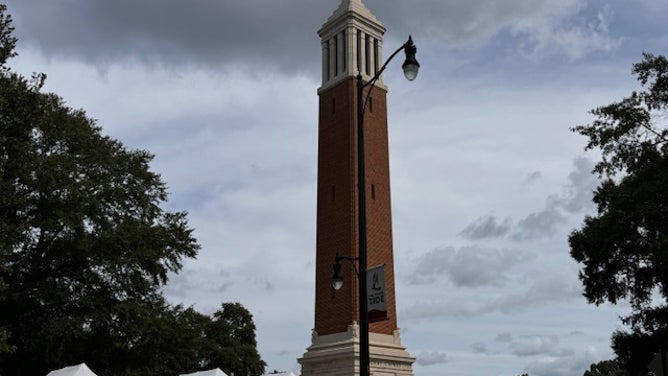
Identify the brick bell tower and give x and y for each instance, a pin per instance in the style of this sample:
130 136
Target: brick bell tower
352 44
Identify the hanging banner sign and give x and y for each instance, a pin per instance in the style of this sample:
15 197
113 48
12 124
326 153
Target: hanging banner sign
375 292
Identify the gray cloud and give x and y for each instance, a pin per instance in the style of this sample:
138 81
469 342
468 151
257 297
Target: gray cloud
533 177
199 279
546 287
567 363
534 345
282 34
467 266
578 193
266 285
540 28
575 41
431 358
479 347
575 198
539 224
504 337
556 367
486 227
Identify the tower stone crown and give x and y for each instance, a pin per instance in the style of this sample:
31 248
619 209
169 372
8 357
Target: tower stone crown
355 6
352 43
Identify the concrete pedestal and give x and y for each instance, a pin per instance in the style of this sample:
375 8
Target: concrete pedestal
338 355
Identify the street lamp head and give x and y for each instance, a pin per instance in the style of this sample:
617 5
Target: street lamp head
337 280
410 65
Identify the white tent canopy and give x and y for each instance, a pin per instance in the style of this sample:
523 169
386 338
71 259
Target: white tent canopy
211 372
78 370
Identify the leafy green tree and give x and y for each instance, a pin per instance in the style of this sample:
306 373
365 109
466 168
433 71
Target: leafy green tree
232 346
606 368
623 249
7 44
86 245
85 248
7 40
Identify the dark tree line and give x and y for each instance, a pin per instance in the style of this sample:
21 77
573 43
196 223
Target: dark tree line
85 247
623 248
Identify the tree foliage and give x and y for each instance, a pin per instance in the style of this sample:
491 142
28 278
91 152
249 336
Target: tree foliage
7 44
7 40
85 248
231 333
623 249
606 368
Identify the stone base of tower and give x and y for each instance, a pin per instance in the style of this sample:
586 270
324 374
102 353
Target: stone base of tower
338 355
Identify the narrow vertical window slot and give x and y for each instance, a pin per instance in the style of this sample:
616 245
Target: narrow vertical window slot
359 50
345 51
375 56
327 60
336 56
373 191
367 55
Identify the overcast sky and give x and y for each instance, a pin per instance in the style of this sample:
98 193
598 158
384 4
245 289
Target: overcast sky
487 179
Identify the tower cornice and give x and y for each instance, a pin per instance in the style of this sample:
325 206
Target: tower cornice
352 11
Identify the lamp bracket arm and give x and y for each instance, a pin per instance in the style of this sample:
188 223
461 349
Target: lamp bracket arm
382 69
375 78
351 260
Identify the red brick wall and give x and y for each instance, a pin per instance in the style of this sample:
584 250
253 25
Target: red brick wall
337 205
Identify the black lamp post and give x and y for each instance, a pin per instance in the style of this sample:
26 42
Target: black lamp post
410 67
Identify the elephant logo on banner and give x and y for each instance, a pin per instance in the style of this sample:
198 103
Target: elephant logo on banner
376 283
377 305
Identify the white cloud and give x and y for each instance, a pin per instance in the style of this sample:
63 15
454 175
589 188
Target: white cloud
431 358
571 35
